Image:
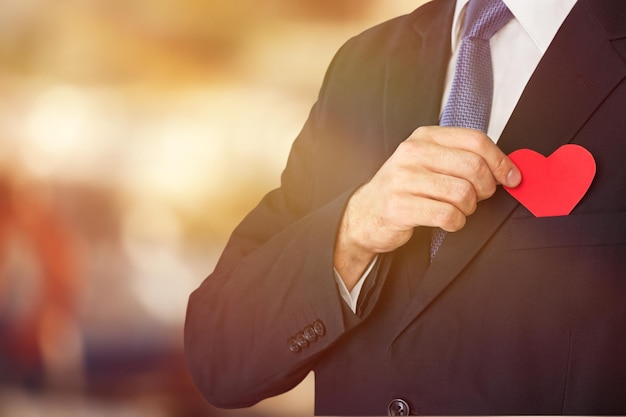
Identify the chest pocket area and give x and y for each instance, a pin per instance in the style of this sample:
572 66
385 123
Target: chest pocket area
588 229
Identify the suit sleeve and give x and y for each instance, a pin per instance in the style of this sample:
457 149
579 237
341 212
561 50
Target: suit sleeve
256 325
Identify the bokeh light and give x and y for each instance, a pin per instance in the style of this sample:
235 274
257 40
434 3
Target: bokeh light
134 136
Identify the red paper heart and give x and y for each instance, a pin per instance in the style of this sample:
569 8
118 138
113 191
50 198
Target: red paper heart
553 186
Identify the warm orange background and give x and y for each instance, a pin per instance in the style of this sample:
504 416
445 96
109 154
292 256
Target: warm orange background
134 135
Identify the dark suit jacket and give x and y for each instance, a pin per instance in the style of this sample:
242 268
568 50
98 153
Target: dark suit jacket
516 315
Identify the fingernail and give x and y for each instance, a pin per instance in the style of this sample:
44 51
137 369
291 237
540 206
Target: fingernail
513 178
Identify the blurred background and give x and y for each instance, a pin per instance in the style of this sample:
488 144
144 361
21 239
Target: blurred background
134 136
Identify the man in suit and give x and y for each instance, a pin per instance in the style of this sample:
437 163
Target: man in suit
332 271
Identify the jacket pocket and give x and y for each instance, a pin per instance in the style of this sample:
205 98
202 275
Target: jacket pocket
589 229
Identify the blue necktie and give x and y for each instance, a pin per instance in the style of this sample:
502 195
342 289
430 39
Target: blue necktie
469 102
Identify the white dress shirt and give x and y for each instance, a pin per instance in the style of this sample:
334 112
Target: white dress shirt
516 50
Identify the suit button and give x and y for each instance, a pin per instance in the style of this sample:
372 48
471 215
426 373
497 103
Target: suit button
301 340
398 407
319 328
293 345
310 334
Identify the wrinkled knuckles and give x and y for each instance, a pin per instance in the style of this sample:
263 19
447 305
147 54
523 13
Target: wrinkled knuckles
423 131
478 140
409 149
464 197
477 165
450 219
488 190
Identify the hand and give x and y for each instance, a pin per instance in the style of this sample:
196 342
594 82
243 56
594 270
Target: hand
435 178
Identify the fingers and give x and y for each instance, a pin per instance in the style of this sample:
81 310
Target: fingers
455 191
426 211
481 146
463 153
434 178
380 219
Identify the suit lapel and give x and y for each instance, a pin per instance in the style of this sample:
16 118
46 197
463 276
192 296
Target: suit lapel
577 73
415 73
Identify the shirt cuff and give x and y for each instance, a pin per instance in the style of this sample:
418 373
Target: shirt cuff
351 297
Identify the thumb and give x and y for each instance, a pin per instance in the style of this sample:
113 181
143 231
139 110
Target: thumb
507 173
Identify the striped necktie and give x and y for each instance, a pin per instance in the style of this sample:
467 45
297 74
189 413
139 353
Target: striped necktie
469 102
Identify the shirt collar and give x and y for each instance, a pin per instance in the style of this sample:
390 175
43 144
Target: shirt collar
541 19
